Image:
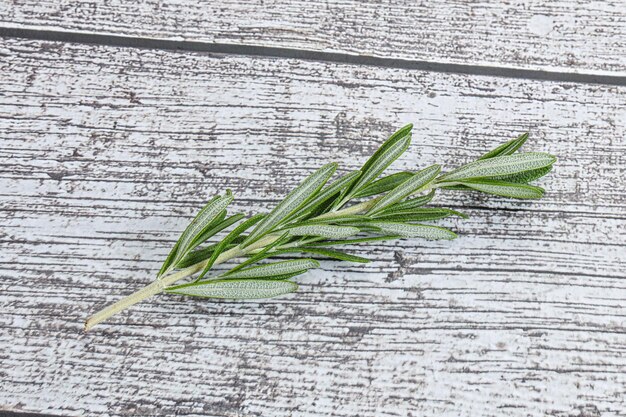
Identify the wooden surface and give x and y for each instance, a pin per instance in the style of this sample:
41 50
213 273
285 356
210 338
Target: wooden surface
107 152
565 35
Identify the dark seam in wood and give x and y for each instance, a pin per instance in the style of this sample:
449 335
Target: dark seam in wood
24 414
309 55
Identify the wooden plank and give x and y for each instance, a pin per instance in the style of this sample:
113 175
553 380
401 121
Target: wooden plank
565 35
107 152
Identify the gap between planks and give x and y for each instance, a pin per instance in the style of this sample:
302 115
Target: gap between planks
310 55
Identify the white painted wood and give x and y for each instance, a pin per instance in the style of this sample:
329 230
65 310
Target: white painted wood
107 152
566 35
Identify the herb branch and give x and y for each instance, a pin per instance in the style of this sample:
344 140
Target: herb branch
317 215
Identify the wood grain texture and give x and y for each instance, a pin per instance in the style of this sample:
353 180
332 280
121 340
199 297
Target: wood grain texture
568 35
108 152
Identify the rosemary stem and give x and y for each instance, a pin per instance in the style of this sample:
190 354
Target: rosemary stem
355 209
164 282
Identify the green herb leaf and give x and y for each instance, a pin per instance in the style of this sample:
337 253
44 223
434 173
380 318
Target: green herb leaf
527 176
411 204
246 289
197 256
167 265
200 223
384 156
384 184
325 194
352 241
201 255
235 233
500 166
412 185
335 220
217 227
419 215
506 189
294 200
415 230
327 231
273 269
262 254
456 187
213 211
507 148
168 261
328 253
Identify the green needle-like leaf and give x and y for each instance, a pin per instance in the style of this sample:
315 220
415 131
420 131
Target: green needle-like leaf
201 255
527 176
411 204
352 241
384 156
168 261
273 269
500 166
294 201
415 230
357 218
328 253
412 185
215 229
246 289
506 189
384 184
203 220
234 234
419 215
325 194
326 231
262 254
507 148
197 256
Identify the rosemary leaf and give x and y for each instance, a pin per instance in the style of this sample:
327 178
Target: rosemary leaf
294 200
506 189
273 269
215 229
262 254
384 184
328 253
527 176
500 166
415 230
419 215
352 241
411 203
383 157
325 194
235 233
212 212
507 148
410 186
168 261
247 289
202 221
326 231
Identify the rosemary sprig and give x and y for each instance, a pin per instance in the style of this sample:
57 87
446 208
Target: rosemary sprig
318 214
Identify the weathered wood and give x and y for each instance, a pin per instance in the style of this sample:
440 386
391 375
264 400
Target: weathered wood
568 35
107 152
